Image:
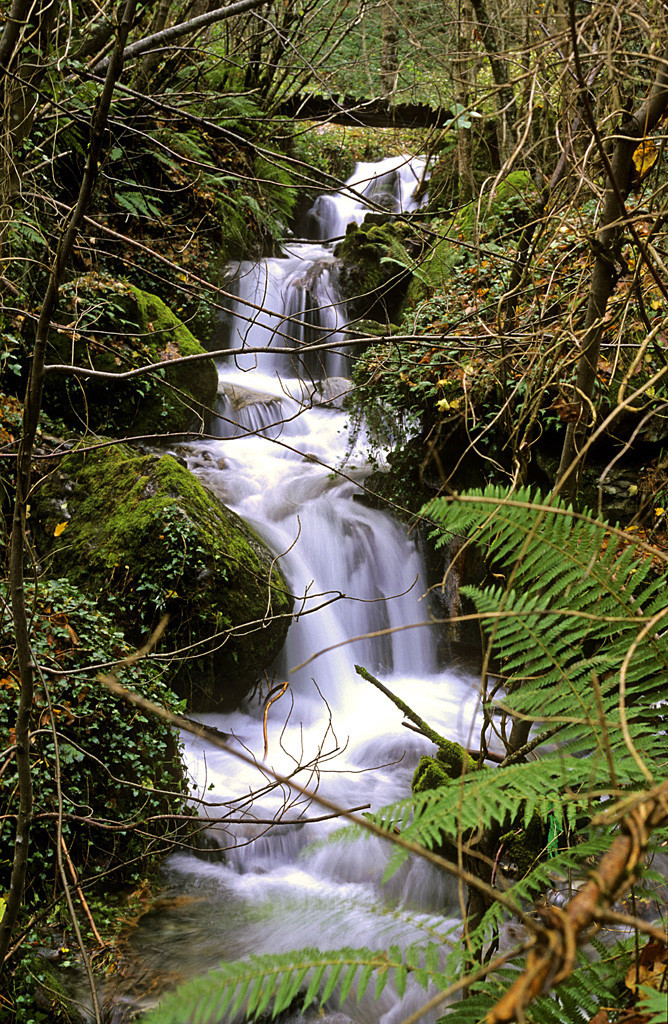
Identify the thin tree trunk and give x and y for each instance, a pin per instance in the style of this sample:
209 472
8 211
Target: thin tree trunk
389 61
16 19
505 94
31 413
152 59
17 93
462 63
606 249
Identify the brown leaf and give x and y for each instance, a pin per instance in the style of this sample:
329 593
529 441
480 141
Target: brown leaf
568 412
644 157
651 967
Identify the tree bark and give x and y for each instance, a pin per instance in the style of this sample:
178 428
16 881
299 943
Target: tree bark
466 186
606 249
389 61
505 94
31 413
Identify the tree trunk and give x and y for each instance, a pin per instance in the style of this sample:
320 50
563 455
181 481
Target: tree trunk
606 248
31 412
389 61
505 94
463 77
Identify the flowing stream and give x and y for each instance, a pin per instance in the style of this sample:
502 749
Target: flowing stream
355 571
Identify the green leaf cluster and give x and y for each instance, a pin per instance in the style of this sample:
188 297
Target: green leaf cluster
120 772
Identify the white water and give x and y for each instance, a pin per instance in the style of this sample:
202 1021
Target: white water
354 571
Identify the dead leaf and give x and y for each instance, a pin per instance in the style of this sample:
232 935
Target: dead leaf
644 157
568 412
651 967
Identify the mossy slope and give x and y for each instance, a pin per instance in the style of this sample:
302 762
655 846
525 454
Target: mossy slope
120 327
148 538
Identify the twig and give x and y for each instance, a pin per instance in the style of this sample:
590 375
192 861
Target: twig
425 729
80 894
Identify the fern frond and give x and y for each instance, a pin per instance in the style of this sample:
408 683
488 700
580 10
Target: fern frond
578 600
577 999
274 982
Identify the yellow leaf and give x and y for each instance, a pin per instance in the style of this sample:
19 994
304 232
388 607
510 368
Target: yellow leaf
59 529
644 157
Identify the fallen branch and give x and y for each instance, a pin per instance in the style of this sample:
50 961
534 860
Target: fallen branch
553 958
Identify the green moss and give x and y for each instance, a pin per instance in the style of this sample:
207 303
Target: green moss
120 327
525 846
451 762
147 537
375 267
193 385
482 220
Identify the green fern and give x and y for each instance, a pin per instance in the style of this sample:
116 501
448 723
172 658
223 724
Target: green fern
273 982
576 601
594 983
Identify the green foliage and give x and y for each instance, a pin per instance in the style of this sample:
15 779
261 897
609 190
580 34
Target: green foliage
653 1005
569 615
120 327
119 770
594 983
273 983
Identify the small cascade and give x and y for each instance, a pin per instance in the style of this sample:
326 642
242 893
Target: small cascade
357 577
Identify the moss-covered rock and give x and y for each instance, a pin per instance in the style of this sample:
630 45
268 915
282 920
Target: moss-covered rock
375 267
110 325
142 533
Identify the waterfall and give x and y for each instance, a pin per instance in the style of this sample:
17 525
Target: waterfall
357 576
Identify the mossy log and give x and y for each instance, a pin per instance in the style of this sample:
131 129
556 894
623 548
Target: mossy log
142 533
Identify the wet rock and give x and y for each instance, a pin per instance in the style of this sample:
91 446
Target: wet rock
241 397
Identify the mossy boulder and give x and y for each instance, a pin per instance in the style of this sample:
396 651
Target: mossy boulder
375 267
113 326
142 533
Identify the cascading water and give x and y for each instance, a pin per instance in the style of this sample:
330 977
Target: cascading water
355 573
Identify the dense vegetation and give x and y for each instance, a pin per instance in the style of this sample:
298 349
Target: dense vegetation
512 331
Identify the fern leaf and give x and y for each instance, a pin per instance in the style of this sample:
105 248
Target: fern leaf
251 986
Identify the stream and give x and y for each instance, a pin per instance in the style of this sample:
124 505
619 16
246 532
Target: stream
281 436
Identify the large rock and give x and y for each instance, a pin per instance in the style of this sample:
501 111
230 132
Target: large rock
109 325
375 268
144 535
